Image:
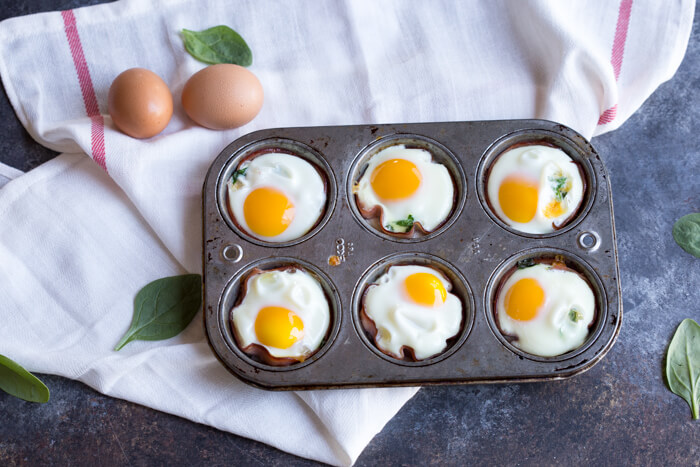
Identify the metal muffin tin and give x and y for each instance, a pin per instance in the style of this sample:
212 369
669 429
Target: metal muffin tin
473 248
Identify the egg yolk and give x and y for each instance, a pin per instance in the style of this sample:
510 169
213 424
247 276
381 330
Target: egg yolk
395 179
523 299
278 327
518 199
425 289
553 209
268 212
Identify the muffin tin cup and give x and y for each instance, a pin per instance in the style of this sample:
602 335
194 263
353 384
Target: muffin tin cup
577 153
460 288
572 261
231 294
289 147
440 154
473 246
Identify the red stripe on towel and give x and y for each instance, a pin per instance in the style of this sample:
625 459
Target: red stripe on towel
608 116
618 52
97 127
623 22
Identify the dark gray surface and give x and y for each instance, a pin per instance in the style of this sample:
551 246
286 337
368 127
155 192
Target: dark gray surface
619 412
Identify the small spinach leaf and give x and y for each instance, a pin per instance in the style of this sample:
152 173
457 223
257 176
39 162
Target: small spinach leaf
238 173
403 225
575 315
686 232
163 308
18 382
683 364
219 44
408 222
560 187
525 263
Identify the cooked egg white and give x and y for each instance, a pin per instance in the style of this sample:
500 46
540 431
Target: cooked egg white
535 189
411 306
285 311
547 309
277 197
408 186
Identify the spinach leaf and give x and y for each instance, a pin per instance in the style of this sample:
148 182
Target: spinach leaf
238 173
525 263
219 44
408 222
163 308
575 315
683 364
18 382
403 225
560 187
686 232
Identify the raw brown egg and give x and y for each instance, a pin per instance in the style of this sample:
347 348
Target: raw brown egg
222 96
140 103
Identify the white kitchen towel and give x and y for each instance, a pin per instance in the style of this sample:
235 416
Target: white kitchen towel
73 252
8 173
74 248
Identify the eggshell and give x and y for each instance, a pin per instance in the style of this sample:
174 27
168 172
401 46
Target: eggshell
222 96
140 103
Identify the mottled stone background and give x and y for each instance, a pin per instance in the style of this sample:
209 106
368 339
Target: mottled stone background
619 412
